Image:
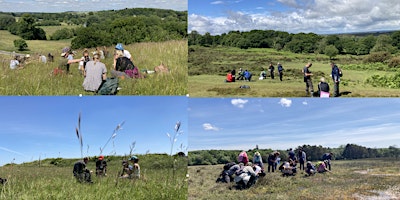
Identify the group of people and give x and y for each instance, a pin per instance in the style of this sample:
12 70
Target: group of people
323 86
246 173
95 71
83 174
242 75
271 69
247 75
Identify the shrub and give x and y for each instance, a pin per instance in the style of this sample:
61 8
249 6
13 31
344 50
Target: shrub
20 44
62 34
394 62
381 56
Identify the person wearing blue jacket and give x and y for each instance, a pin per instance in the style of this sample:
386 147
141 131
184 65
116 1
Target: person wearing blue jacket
336 78
247 75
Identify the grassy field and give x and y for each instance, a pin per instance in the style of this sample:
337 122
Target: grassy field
208 68
352 179
37 79
29 181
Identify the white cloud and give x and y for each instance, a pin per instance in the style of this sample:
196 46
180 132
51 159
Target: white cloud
210 127
319 16
217 2
285 102
305 103
239 102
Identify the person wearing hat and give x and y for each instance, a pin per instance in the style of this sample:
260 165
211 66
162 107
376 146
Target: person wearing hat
135 168
81 173
101 166
257 159
68 59
126 53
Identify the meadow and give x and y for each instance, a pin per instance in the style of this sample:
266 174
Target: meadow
208 68
36 78
53 179
350 179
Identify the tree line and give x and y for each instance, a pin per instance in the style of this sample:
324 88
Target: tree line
100 28
330 45
314 153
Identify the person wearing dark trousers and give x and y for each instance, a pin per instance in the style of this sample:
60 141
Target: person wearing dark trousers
280 71
307 79
336 78
271 70
328 158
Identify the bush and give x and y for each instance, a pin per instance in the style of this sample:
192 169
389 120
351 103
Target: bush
394 62
62 34
381 56
20 44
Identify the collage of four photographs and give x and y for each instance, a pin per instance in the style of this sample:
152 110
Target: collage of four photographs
185 99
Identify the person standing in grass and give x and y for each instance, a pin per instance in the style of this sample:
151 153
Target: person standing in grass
95 74
307 79
271 69
81 173
272 161
302 158
280 71
336 78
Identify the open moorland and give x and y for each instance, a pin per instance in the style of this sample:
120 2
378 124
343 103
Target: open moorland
350 179
162 177
208 67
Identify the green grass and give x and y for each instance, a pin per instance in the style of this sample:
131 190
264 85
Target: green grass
36 78
208 68
29 181
345 182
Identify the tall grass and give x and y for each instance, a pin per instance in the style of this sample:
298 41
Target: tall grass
57 182
37 79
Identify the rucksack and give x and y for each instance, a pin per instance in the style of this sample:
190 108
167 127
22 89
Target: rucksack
109 87
227 166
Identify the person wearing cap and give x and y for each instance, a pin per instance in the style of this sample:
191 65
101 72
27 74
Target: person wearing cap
126 52
135 168
95 73
68 59
81 173
101 166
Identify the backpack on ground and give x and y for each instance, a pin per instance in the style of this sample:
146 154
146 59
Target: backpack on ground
108 87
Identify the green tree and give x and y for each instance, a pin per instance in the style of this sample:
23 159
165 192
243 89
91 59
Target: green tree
331 51
6 21
20 44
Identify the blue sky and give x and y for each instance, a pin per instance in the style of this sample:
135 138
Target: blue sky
87 5
33 127
282 123
293 16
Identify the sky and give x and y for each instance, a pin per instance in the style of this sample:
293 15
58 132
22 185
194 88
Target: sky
283 123
44 127
53 6
293 16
